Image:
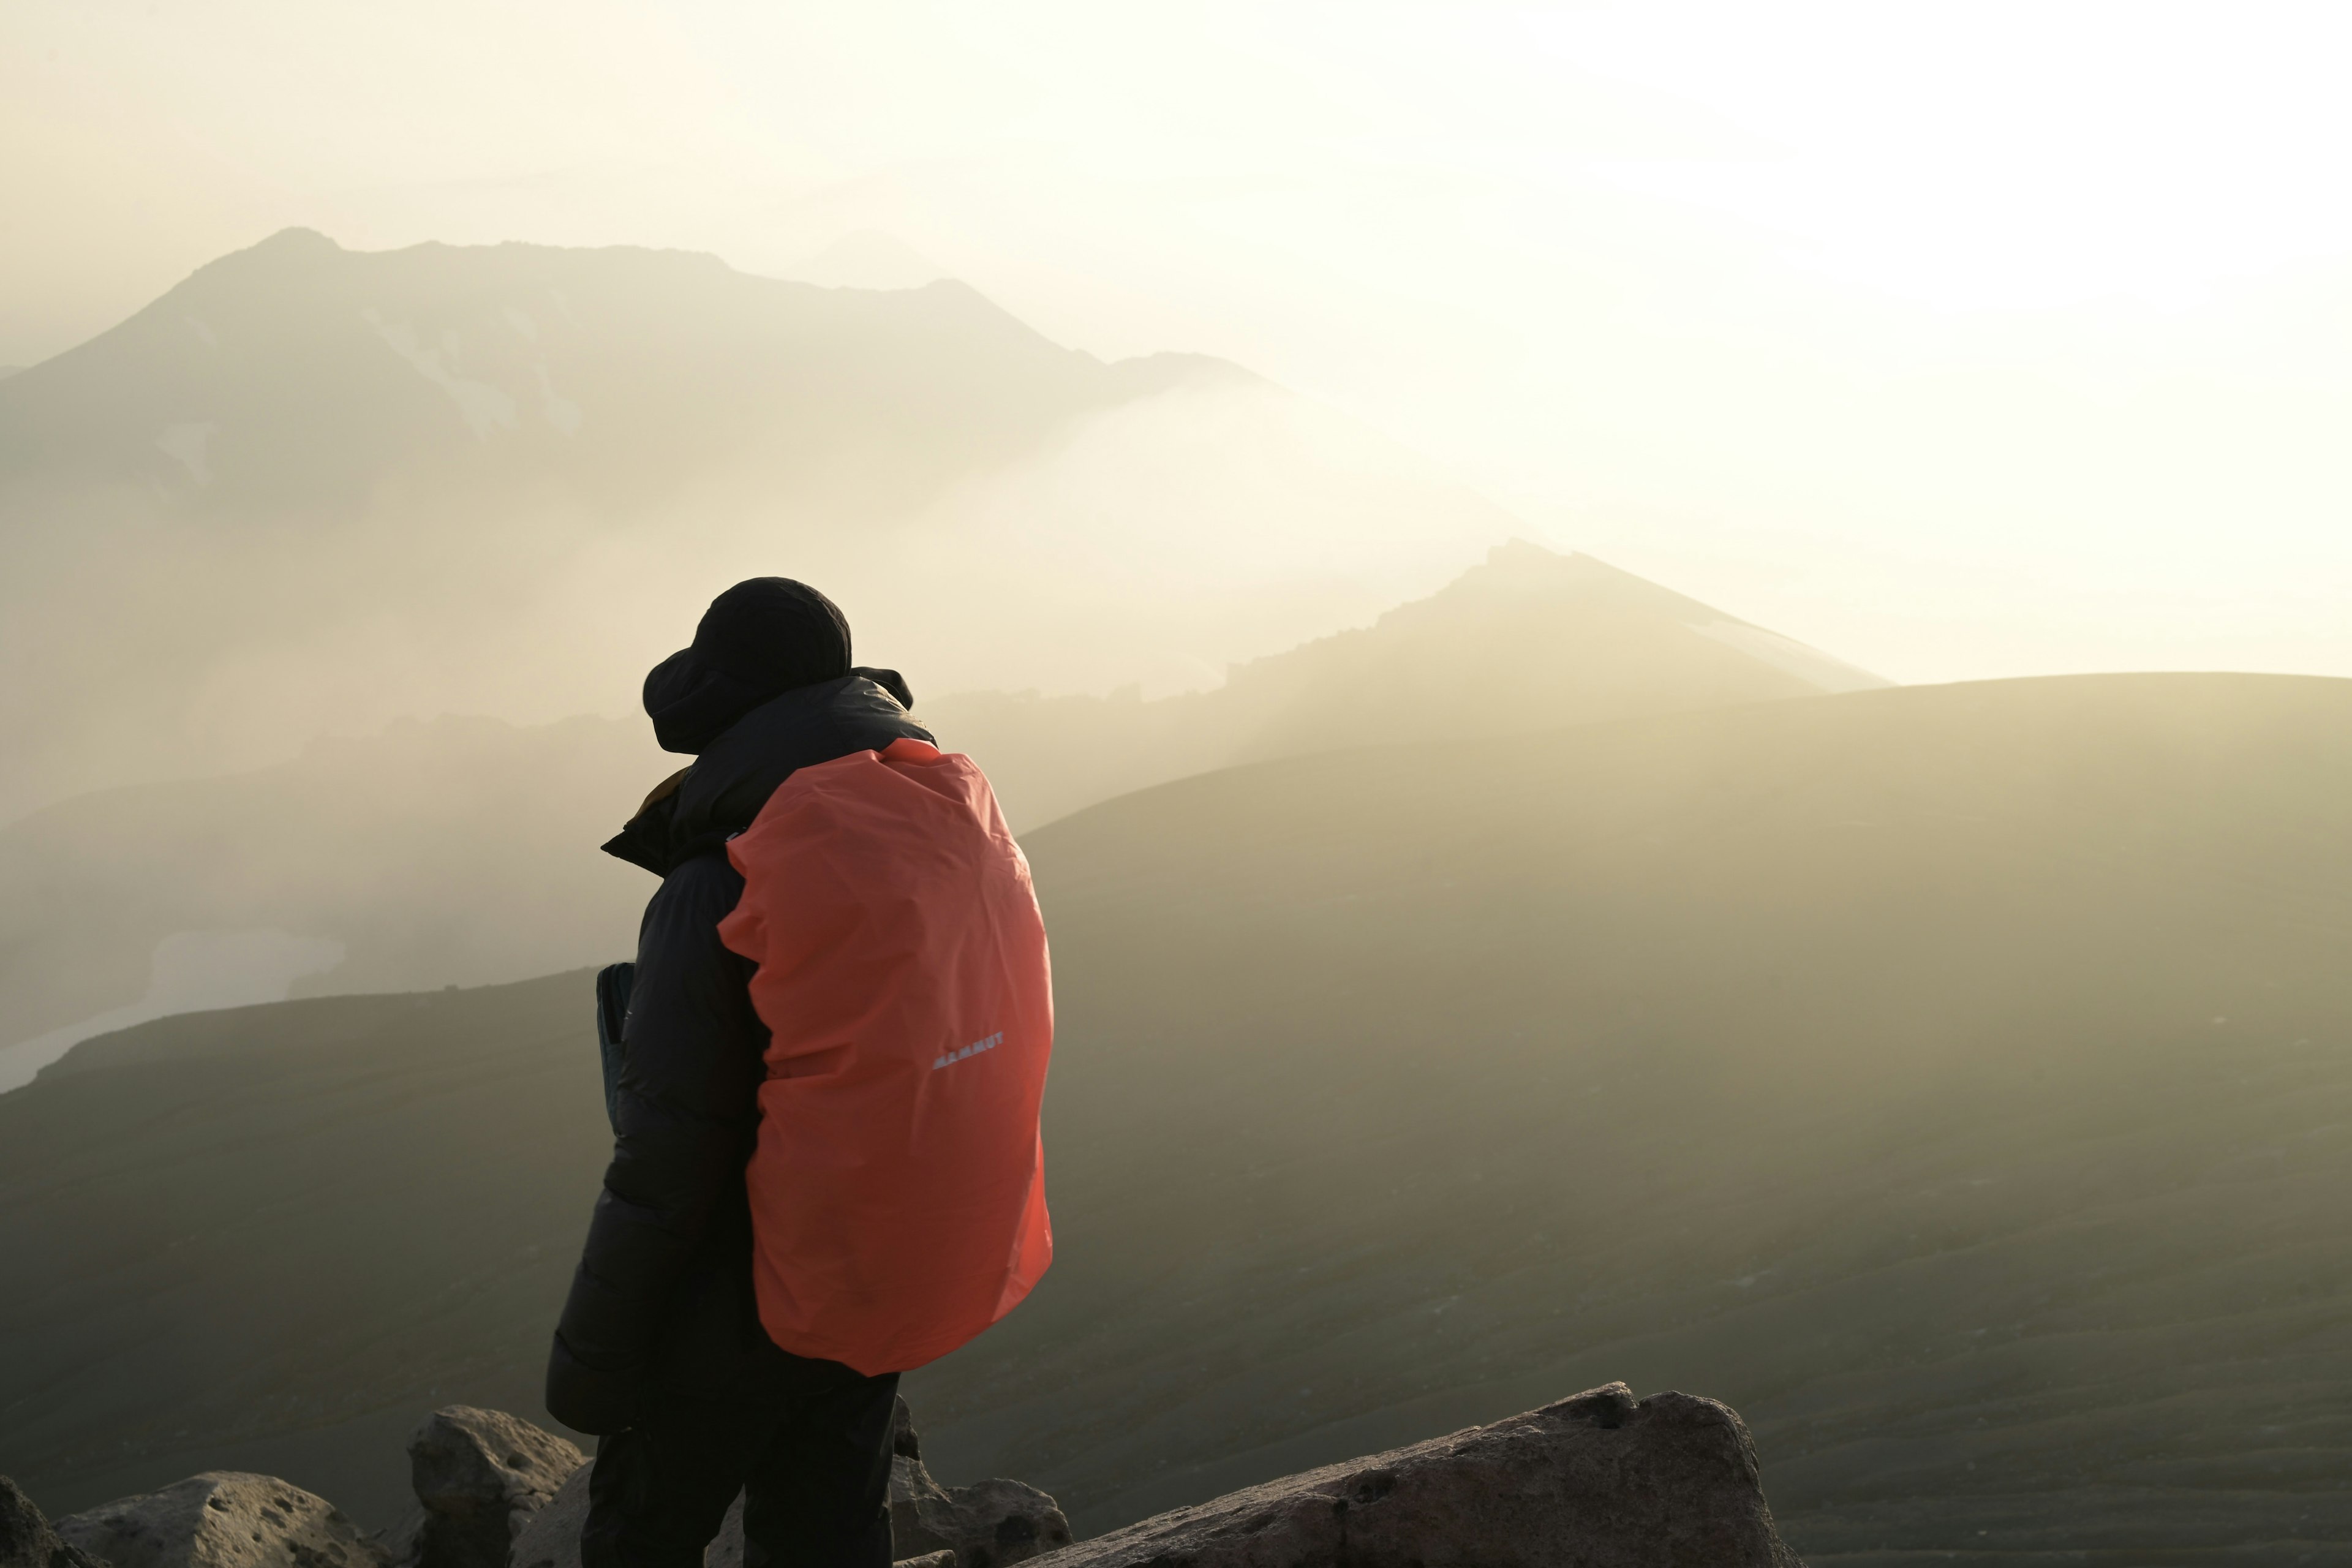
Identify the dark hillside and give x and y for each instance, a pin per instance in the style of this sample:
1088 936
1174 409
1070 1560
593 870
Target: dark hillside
266 1238
1959 1080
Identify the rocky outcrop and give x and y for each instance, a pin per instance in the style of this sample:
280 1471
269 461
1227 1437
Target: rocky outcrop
1597 1481
222 1518
1601 1480
26 1539
480 1476
988 1525
550 1538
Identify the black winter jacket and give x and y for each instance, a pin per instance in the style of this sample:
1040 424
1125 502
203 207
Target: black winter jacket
663 1297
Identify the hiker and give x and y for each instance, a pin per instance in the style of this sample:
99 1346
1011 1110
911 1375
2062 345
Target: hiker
824 1077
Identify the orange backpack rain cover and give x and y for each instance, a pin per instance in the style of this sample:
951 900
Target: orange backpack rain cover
899 1187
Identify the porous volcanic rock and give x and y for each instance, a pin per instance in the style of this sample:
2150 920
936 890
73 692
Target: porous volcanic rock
26 1539
480 1475
1596 1481
986 1525
221 1519
550 1538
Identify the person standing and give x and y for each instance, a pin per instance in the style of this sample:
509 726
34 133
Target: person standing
827 1164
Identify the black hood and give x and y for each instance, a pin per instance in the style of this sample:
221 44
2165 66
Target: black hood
701 807
762 636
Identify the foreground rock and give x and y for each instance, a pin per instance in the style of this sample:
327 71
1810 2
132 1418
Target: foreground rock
480 1476
988 1525
1596 1481
984 1525
222 1518
26 1539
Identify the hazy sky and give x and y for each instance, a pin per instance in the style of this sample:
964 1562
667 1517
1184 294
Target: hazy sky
1959 339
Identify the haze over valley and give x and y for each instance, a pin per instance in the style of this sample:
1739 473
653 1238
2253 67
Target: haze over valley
457 852
360 487
1677 680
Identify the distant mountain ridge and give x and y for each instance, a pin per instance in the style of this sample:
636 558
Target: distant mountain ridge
310 490
463 851
299 374
1530 640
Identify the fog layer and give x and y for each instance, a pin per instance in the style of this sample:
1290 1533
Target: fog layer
463 851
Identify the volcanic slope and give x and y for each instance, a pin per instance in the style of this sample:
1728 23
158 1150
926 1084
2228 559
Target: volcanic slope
462 851
1958 1081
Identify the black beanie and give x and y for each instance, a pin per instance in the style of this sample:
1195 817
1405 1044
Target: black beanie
758 639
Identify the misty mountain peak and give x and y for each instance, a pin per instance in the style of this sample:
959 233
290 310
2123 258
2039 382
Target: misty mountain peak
438 431
296 240
1572 625
1521 583
867 258
1520 570
296 250
300 377
1520 578
1527 640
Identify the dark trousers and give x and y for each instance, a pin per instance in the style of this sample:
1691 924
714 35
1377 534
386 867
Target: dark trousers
812 1459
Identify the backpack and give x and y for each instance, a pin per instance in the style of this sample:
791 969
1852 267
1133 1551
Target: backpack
614 984
898 1186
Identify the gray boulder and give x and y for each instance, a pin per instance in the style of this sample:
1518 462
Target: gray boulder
26 1539
1596 1481
977 1526
550 1538
480 1476
222 1518
986 1525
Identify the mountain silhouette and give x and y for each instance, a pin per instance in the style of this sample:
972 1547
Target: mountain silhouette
312 489
1952 1078
300 376
867 258
1530 640
463 851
